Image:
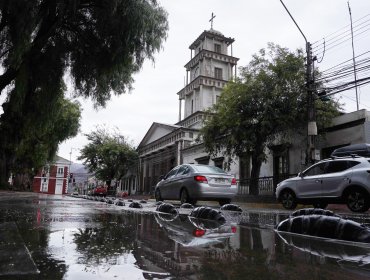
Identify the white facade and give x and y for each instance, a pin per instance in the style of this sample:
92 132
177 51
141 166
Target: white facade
164 146
210 68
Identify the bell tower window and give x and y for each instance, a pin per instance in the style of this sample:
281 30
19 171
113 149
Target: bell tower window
217 48
218 73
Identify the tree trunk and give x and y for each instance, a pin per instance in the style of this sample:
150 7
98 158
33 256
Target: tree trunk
22 182
4 174
255 173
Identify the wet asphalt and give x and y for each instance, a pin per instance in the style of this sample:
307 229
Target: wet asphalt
65 237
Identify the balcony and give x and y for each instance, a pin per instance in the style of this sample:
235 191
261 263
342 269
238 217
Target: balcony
197 82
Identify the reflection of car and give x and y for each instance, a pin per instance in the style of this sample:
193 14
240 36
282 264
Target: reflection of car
334 180
100 191
349 255
189 231
192 182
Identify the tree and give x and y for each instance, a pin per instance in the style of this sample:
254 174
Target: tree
99 44
264 104
37 144
108 155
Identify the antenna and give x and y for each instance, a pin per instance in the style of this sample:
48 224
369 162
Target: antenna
353 56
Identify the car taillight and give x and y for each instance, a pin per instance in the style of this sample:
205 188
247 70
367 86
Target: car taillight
233 229
233 181
201 179
198 232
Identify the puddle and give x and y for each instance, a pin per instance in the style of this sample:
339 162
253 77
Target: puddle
70 238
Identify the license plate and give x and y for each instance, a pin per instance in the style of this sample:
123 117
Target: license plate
219 180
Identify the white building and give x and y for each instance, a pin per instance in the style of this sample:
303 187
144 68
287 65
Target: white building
164 146
211 66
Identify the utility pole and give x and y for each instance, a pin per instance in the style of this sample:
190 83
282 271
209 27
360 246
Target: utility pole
311 114
311 125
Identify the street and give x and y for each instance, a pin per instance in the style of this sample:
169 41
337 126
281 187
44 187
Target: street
64 237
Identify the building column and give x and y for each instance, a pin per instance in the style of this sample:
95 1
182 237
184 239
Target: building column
180 109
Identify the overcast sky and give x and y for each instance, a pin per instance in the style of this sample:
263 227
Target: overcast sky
252 24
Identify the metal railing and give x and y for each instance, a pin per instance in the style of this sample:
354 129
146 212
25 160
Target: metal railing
266 185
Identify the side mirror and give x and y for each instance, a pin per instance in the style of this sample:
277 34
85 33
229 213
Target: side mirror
300 174
161 177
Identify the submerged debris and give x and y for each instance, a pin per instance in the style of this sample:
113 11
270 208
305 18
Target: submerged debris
120 202
167 208
327 225
135 204
313 211
231 207
187 206
208 213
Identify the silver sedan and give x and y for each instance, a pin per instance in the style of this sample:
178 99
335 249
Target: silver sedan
192 182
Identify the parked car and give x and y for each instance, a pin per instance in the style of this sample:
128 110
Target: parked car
334 180
192 182
100 191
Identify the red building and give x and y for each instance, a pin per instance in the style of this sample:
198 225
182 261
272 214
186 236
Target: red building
53 177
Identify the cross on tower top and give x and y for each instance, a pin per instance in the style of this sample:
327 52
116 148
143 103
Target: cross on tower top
211 20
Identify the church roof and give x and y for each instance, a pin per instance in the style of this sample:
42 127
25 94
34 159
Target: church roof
156 131
211 34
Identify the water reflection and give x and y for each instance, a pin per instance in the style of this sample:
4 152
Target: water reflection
76 239
189 231
346 254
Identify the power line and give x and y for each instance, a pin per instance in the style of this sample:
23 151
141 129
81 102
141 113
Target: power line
345 27
343 41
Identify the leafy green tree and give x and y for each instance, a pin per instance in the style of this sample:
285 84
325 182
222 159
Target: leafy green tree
108 155
101 43
98 44
34 145
264 104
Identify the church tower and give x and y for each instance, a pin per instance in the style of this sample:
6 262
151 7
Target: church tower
211 66
164 146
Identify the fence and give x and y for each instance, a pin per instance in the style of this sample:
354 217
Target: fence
266 185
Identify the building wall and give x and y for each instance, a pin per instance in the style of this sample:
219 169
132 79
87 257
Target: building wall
158 133
192 154
50 179
208 44
155 165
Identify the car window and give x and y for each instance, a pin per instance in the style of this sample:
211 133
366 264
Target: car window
315 170
172 173
336 166
183 170
352 163
208 169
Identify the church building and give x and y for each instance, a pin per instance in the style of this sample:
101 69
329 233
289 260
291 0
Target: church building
165 146
211 66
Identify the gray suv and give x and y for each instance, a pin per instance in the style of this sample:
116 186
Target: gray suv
335 180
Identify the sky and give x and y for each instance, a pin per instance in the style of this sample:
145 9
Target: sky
253 24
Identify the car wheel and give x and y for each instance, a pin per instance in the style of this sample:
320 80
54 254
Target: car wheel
184 196
157 195
224 201
357 200
288 200
320 204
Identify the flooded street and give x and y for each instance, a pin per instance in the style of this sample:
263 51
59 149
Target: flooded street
62 237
